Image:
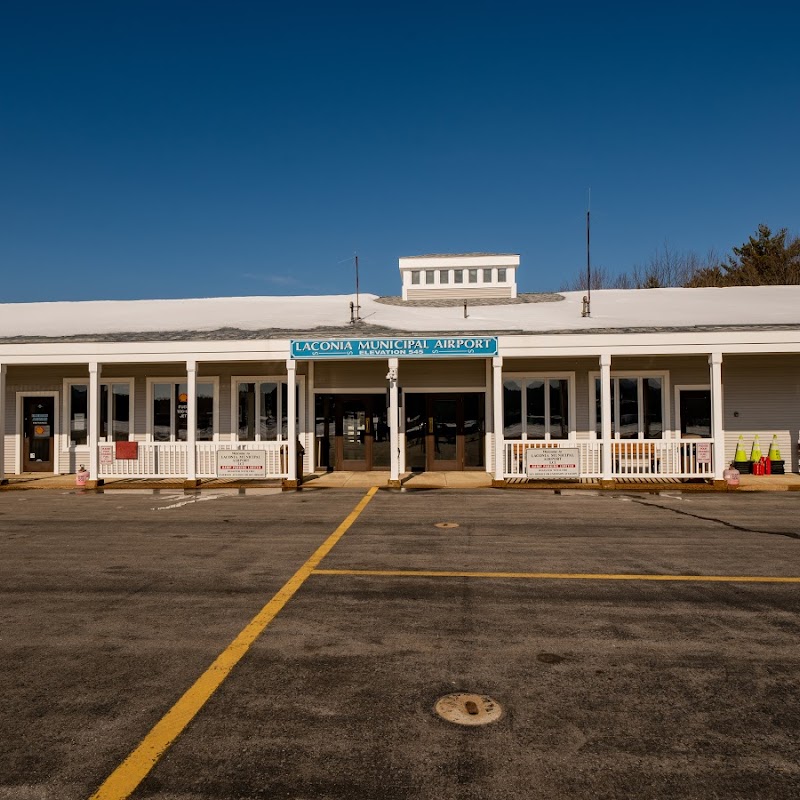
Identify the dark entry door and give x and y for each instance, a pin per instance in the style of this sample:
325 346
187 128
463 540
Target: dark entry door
695 410
444 431
38 434
352 432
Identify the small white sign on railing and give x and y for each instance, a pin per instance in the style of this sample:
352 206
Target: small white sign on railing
560 463
241 463
703 451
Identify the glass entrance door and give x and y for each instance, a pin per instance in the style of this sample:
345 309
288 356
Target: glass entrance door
352 432
445 428
444 431
38 434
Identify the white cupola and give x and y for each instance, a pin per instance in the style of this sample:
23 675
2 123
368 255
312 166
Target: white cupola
459 276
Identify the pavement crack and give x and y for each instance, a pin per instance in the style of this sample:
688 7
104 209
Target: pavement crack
731 525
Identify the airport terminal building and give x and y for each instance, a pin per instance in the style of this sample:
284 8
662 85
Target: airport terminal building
460 371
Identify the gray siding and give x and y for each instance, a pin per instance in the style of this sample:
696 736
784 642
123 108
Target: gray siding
419 374
350 375
762 396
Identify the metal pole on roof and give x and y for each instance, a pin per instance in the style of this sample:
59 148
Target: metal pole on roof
358 302
588 309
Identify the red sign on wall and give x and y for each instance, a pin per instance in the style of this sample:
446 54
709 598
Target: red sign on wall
127 451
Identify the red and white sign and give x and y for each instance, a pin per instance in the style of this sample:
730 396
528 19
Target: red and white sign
703 452
553 463
241 463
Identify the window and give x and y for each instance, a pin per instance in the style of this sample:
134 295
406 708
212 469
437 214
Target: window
430 276
115 416
115 412
444 276
170 411
458 276
512 409
78 414
487 276
637 407
473 276
501 275
414 276
546 401
262 410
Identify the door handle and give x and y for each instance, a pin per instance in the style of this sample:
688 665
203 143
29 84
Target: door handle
367 424
430 424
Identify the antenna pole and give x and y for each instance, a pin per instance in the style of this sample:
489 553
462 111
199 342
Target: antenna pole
588 256
358 302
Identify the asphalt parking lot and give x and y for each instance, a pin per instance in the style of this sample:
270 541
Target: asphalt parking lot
618 634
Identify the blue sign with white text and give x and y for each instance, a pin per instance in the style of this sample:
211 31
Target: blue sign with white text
395 347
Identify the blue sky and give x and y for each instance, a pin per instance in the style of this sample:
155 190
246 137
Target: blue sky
177 149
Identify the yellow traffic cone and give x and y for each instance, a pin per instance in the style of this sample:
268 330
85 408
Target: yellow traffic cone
774 454
740 453
755 453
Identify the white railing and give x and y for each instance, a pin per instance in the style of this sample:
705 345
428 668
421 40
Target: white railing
630 458
514 461
661 458
168 459
277 454
155 460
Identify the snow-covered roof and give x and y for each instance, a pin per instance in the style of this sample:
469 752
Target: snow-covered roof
282 317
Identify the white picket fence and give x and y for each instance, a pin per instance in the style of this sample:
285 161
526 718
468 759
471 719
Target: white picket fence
630 458
168 459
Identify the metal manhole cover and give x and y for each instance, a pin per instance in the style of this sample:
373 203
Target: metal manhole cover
468 709
549 658
445 525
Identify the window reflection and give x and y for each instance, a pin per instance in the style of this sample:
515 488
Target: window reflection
171 412
546 404
640 408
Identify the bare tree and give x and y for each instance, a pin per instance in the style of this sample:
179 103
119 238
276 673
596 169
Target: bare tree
666 267
601 279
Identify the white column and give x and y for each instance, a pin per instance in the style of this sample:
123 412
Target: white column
394 422
497 408
94 418
717 430
3 423
291 414
191 420
488 412
311 419
605 414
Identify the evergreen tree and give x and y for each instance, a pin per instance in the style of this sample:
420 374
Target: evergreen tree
764 259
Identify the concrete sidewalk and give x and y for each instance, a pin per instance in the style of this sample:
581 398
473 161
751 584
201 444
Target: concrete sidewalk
67 482
409 480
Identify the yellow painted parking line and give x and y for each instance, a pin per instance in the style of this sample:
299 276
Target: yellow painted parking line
558 576
130 773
